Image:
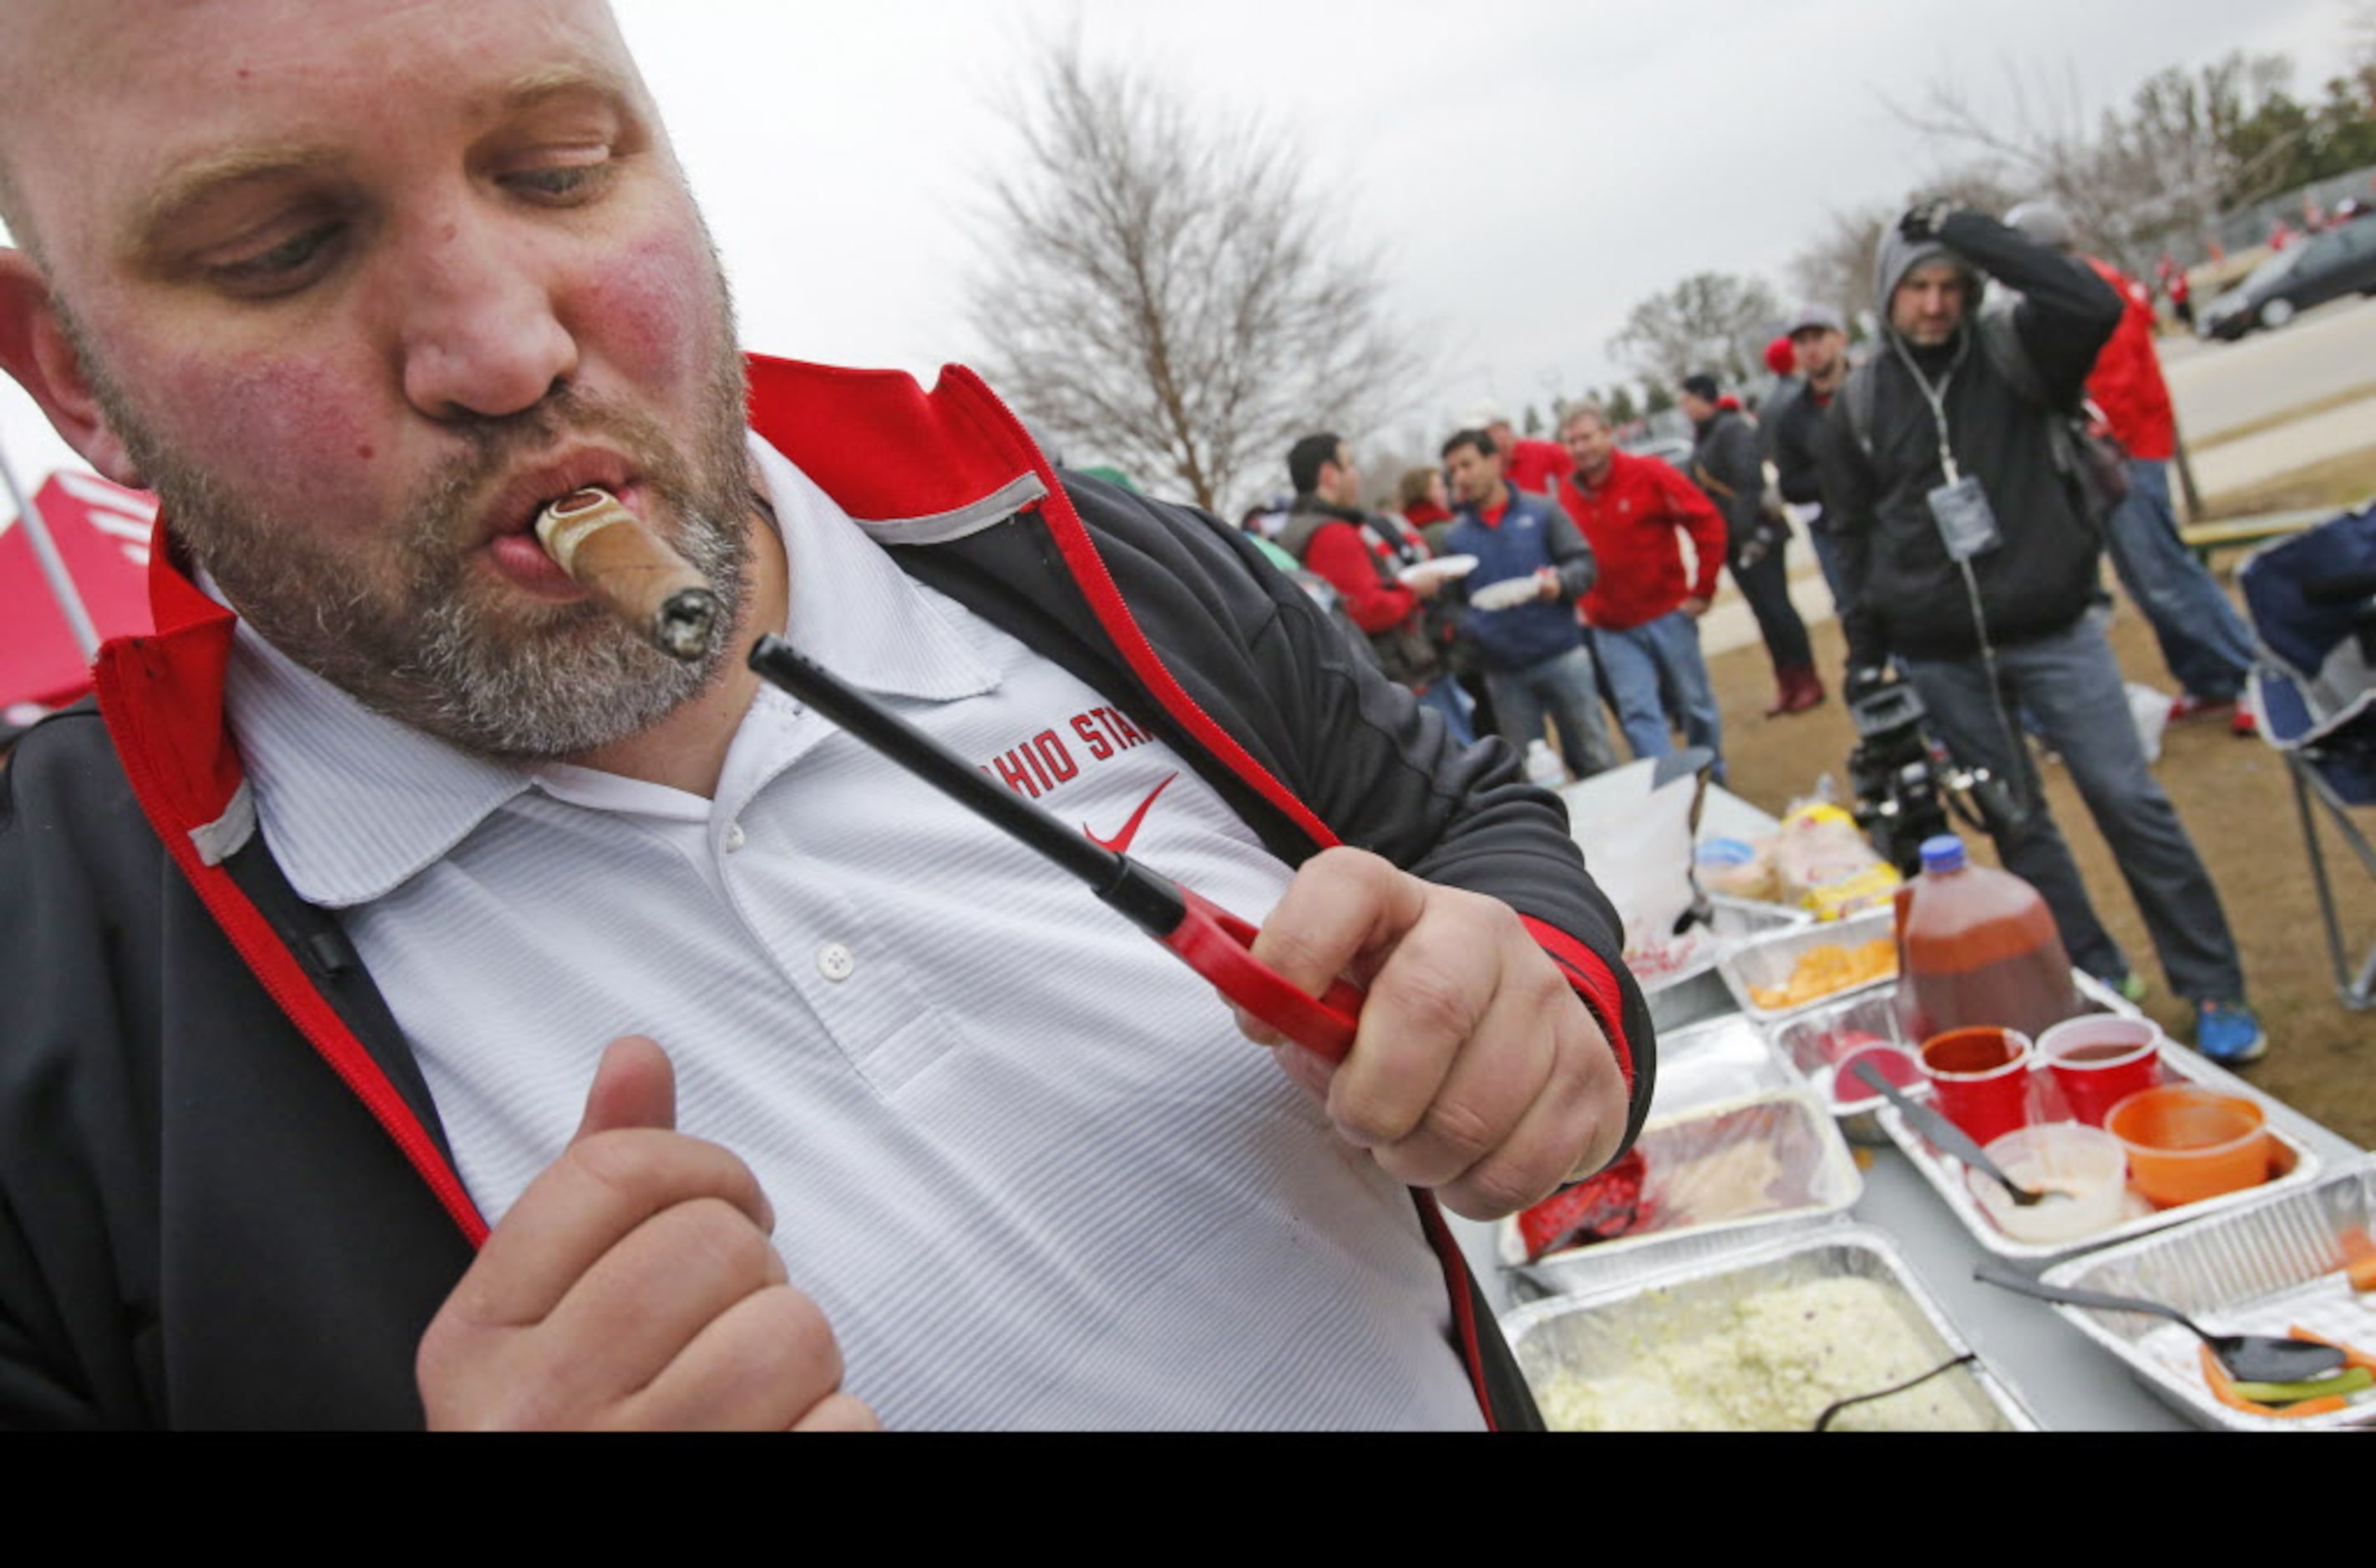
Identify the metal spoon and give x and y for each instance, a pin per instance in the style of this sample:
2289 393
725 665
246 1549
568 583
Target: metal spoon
1952 1138
2248 1357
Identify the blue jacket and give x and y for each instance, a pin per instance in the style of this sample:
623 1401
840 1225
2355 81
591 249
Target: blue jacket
1532 534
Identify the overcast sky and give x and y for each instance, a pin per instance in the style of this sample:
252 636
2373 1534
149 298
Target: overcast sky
1526 171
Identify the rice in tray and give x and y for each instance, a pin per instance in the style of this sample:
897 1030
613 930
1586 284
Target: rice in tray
1770 1361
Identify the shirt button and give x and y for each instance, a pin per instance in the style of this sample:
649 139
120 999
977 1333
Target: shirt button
734 837
835 962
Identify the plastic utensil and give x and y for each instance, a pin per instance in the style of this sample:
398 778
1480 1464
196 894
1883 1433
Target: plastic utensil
2248 1357
1952 1138
1210 940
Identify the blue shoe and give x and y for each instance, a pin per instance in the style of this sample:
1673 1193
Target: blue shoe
2228 1034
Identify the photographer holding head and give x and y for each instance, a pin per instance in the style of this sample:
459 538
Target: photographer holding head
1970 542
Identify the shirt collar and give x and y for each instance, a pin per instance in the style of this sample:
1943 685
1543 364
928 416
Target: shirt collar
354 803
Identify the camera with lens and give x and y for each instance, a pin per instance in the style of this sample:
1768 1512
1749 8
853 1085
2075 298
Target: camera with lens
1905 784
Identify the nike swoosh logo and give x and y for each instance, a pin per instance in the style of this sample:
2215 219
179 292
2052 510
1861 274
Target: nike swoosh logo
1120 842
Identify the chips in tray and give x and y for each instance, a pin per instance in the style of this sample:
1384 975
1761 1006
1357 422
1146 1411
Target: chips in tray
1832 968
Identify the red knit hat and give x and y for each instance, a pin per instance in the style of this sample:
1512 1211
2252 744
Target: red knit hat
1780 357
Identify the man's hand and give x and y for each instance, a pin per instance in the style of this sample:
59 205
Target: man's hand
1923 222
632 1286
1695 606
1547 582
1477 1071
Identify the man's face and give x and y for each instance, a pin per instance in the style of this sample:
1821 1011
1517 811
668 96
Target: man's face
1340 481
359 288
1929 303
1505 437
1589 442
1696 408
1474 475
1819 349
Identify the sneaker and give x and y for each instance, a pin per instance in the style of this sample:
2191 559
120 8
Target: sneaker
2186 706
2244 725
2228 1034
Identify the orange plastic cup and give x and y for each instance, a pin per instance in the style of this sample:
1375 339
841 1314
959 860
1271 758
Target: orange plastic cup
2186 1144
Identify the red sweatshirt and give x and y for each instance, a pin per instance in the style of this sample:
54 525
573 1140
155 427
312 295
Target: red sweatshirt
1538 466
1631 522
2127 381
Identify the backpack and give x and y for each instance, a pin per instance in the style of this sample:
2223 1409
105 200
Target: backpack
2090 460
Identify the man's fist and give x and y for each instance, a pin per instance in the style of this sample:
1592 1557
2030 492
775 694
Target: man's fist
632 1286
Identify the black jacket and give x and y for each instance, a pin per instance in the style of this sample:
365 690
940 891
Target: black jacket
1793 424
225 1195
1910 597
1726 463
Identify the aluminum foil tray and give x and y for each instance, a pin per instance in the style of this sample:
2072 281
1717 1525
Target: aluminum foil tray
1610 1331
1708 1155
1810 1041
1723 1059
2293 1165
2257 1270
1768 961
1691 992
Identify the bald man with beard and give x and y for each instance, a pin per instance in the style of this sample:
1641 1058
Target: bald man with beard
335 944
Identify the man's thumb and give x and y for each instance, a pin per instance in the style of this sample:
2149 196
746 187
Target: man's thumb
635 1086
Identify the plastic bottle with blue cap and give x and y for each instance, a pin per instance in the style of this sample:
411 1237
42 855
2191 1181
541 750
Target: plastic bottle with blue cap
1977 947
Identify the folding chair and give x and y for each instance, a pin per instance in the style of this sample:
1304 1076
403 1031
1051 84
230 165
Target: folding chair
2312 602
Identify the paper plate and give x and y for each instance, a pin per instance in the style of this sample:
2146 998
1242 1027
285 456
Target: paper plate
1444 569
1507 594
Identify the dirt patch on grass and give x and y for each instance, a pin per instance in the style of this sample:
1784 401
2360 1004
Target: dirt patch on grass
2233 796
2342 484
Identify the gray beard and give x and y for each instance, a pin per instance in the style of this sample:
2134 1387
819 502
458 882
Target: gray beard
440 650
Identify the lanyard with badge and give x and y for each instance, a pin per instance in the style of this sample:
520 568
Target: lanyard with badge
1967 524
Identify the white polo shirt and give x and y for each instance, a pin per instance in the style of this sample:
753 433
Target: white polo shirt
1019 1154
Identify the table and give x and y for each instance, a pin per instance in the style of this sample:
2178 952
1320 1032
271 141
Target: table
2069 1382
2066 1380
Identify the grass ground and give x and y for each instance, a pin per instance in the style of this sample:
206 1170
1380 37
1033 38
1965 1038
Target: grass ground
2233 796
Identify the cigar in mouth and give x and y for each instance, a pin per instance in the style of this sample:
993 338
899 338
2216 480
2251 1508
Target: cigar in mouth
632 572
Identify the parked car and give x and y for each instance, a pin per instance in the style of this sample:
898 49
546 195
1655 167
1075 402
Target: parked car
2310 272
1673 450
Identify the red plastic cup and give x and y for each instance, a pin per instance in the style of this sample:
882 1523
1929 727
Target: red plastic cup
2097 1062
1979 1080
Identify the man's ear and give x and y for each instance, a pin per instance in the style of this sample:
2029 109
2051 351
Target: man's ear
34 349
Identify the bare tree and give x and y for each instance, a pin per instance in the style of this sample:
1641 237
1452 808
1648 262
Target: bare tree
1162 292
2166 161
1836 269
1710 321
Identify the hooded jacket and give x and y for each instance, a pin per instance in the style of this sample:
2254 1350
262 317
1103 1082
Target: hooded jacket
1910 597
226 1198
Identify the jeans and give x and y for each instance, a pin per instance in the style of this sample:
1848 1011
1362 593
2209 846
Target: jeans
1827 557
1650 663
1561 690
1766 586
1443 694
2203 640
2069 682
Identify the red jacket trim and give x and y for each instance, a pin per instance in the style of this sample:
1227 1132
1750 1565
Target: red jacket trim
1591 977
161 698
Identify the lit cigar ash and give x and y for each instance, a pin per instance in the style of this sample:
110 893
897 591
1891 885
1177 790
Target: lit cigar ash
638 576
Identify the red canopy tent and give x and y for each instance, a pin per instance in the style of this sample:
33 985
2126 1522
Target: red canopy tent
101 534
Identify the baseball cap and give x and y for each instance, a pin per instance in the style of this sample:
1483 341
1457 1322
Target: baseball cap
1814 319
1484 416
1704 388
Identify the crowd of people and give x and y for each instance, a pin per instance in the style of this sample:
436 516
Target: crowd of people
1604 618
1944 486
427 1001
